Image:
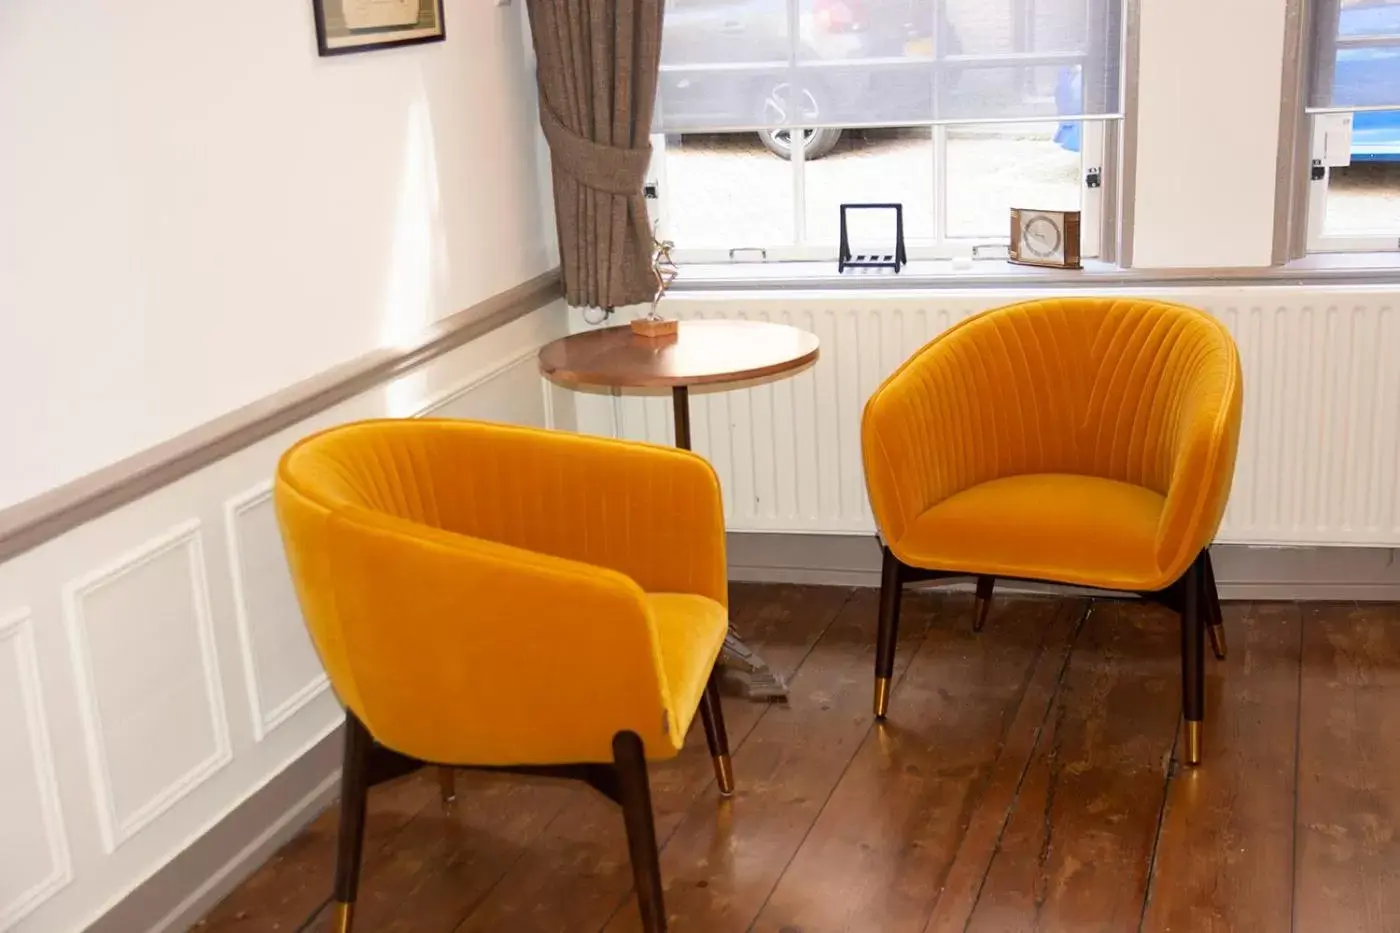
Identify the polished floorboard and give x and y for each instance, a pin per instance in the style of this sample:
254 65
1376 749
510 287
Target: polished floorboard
1027 778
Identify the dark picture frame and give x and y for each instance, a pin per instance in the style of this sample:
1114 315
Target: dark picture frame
336 36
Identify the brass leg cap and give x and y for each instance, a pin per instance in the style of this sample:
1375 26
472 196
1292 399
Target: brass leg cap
1217 640
342 915
724 775
882 697
1193 742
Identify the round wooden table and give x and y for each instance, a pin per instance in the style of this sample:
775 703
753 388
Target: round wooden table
700 353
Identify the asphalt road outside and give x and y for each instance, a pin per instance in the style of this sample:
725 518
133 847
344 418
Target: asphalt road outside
727 190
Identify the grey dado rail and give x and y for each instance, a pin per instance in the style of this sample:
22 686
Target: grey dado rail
29 524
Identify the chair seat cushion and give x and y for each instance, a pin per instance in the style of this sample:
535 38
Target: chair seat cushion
691 632
1046 526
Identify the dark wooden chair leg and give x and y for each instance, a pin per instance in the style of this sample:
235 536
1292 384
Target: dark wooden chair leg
1215 619
447 788
354 789
1193 661
984 602
634 792
891 591
712 716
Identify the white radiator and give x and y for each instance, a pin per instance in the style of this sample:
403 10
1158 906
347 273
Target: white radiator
1320 454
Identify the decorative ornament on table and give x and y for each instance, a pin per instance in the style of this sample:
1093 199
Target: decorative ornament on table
664 268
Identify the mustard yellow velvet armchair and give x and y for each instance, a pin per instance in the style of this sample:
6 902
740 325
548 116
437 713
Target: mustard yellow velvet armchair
1086 441
499 597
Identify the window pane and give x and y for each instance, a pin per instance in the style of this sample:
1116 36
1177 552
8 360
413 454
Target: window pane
865 62
880 165
1363 199
1356 62
727 190
720 60
992 169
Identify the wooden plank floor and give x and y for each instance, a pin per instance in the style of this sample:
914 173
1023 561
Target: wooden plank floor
1026 779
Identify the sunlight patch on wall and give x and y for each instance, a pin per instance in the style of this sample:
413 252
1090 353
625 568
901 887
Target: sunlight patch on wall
411 289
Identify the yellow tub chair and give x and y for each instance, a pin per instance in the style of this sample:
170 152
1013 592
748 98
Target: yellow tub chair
505 598
1086 441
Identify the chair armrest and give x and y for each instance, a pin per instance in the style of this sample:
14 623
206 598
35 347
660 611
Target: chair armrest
1203 440
652 513
458 650
918 432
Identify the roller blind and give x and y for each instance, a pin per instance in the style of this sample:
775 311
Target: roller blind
1356 55
748 64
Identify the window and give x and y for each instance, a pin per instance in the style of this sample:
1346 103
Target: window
772 113
1354 104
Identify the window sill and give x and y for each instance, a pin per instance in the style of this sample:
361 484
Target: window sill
1317 269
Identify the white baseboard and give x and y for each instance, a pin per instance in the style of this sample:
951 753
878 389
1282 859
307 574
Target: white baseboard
176 897
1242 571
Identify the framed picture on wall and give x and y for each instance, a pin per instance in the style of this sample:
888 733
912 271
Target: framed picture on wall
360 25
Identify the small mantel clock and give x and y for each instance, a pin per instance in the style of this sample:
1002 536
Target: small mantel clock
1045 238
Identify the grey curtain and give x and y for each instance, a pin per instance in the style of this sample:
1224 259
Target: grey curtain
598 64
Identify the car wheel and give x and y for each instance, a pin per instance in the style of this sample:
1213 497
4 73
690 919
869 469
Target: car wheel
815 143
774 111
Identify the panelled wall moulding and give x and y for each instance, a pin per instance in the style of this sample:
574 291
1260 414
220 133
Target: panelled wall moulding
431 407
140 611
28 758
265 604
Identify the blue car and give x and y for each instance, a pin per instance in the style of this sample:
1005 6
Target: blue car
1364 77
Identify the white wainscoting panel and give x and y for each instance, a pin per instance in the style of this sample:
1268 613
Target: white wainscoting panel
180 691
282 671
34 860
1318 456
153 710
506 391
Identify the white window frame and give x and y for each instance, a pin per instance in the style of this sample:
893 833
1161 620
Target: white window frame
1321 39
1318 241
1095 136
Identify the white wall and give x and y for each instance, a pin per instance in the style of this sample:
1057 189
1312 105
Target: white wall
1209 83
196 210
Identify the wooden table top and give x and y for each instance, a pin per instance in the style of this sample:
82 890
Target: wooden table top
703 352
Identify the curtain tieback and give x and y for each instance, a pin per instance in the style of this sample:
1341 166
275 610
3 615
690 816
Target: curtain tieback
613 169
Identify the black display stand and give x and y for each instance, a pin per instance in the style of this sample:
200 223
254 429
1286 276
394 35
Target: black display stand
893 261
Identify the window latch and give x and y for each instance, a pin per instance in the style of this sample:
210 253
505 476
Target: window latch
1093 178
650 191
1318 172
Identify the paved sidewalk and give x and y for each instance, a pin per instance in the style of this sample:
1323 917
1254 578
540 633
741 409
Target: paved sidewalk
727 190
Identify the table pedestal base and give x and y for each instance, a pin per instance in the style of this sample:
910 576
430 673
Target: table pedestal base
759 681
